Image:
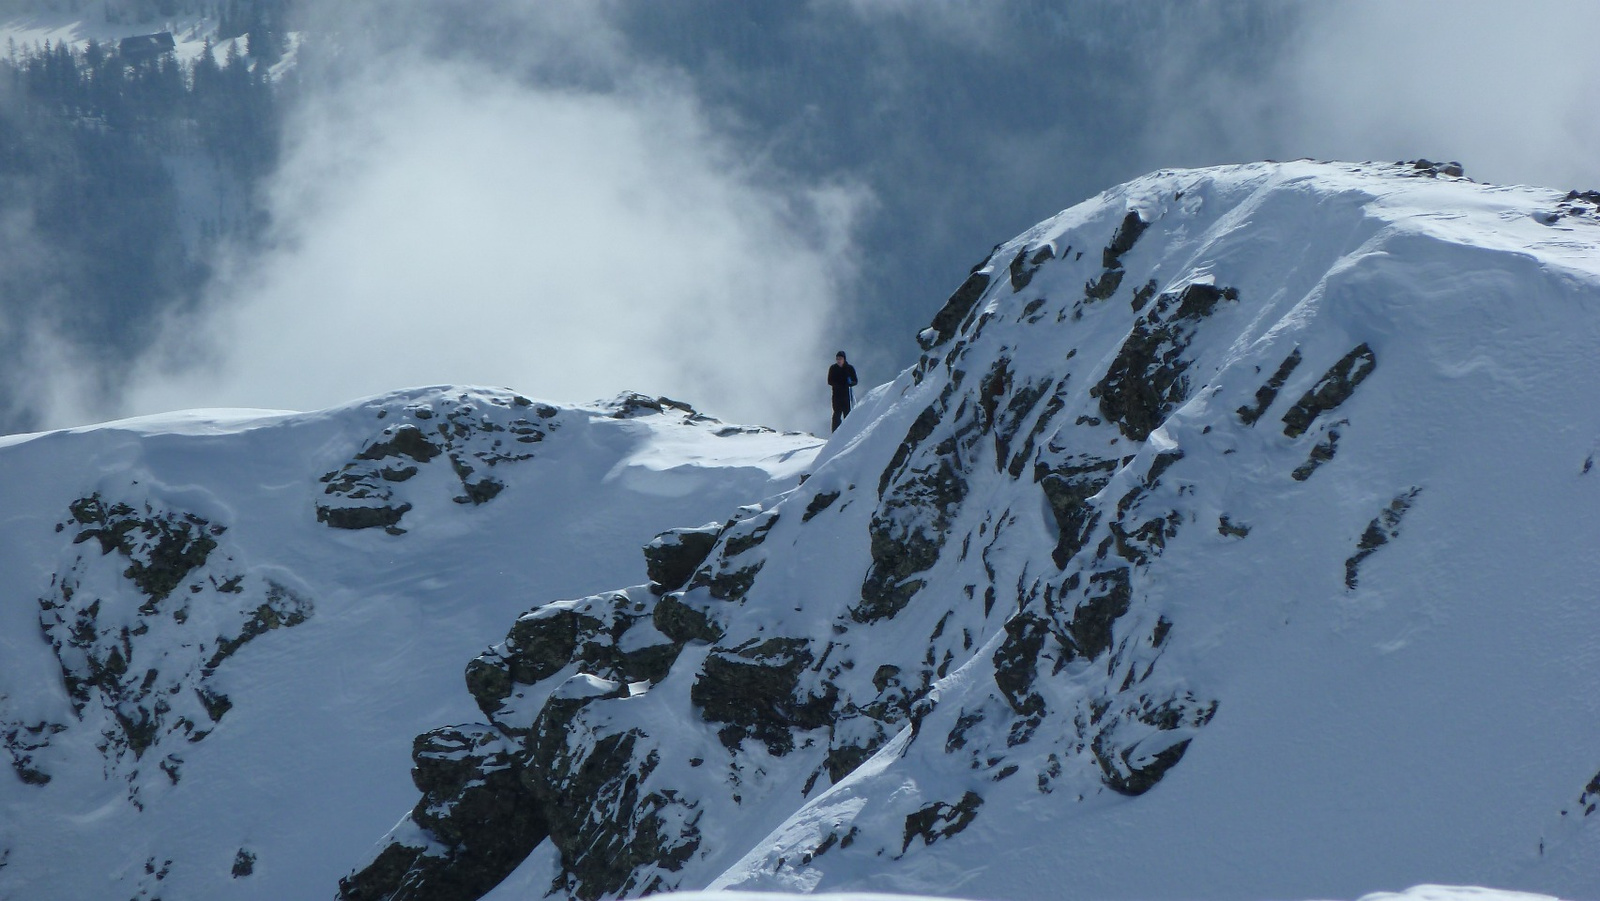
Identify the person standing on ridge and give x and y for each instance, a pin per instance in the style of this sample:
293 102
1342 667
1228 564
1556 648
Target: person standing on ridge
842 378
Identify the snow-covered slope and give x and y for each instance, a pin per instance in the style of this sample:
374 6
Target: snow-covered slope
1233 538
247 616
1417 893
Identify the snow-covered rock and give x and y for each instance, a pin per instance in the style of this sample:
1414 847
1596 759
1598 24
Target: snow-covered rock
1233 538
222 629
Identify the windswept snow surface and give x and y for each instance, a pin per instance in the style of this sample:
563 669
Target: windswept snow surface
310 763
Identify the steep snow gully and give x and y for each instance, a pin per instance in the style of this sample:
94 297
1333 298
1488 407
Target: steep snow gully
1234 537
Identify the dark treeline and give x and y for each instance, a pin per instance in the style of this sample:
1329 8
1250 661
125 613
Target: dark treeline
153 102
120 167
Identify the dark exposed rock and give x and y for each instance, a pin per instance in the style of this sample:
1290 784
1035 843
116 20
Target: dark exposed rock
1584 204
1052 407
135 697
1104 286
487 803
1068 486
1123 776
244 863
1321 452
1147 378
747 534
1011 419
1269 392
1122 241
753 689
672 557
727 583
361 517
468 777
1023 267
907 533
948 320
917 505
462 428
389 876
941 820
1128 232
22 741
957 739
1333 389
1146 539
619 829
1016 662
1384 528
1430 169
489 682
631 405
854 739
1109 596
161 549
403 441
683 623
282 608
1143 295
921 428
610 636
1229 528
819 503
1589 800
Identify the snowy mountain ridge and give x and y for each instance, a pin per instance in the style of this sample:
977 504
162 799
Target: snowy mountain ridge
216 621
1142 460
1231 539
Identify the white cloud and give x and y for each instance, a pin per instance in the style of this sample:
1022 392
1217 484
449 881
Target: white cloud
1504 88
441 222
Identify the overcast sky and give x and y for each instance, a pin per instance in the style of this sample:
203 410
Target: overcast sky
706 198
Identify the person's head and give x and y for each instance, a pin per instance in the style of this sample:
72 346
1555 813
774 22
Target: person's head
839 357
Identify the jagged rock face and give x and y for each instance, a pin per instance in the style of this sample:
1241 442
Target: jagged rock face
552 771
149 608
473 432
467 776
215 629
992 593
673 556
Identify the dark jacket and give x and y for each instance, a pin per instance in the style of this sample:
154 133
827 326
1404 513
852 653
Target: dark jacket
842 378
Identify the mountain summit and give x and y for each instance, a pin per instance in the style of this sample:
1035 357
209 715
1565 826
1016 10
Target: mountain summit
1232 538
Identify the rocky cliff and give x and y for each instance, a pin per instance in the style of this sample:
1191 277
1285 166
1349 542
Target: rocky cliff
1233 537
1228 500
219 630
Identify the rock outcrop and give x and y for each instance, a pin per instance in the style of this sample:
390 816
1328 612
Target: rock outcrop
149 608
978 593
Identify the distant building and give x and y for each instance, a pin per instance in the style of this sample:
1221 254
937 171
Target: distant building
145 46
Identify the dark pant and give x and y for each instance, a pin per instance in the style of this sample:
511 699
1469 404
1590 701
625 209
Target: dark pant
841 409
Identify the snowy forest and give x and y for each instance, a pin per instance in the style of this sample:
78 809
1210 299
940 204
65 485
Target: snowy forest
105 149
